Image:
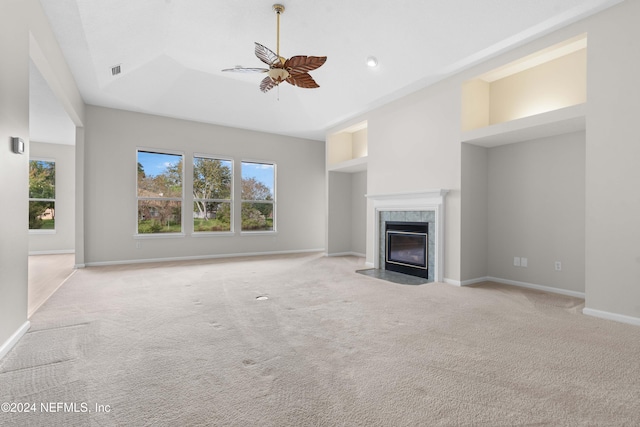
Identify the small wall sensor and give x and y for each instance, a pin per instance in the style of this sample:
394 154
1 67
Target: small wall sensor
17 145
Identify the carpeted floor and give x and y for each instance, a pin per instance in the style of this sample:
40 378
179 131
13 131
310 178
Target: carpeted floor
191 344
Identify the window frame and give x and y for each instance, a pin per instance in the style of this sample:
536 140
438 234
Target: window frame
55 191
181 199
273 202
231 201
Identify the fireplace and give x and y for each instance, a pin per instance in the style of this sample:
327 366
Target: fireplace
425 207
407 248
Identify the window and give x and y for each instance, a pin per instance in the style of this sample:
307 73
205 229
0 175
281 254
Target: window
258 196
212 190
42 195
160 176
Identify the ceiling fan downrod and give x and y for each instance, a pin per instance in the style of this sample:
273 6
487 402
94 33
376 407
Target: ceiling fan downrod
278 9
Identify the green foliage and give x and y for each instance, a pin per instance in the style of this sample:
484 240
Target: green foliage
211 225
211 180
257 216
252 189
155 226
42 179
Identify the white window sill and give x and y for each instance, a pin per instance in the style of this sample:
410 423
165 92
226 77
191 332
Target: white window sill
42 231
212 233
258 233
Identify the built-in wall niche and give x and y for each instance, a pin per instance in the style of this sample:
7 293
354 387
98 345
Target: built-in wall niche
539 95
347 149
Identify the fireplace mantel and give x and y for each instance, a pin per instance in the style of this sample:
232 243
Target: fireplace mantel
424 196
425 200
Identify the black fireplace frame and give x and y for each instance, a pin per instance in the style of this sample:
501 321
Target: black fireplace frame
407 228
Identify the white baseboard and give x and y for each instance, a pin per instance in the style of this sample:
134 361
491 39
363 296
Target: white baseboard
191 258
6 347
611 316
560 291
369 265
465 282
55 252
348 254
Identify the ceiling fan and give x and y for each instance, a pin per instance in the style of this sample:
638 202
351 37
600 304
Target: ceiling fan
294 70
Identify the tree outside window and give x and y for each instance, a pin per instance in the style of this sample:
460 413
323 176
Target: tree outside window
258 196
160 195
212 190
42 195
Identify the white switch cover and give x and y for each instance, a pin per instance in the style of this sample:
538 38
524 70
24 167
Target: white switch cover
516 261
523 262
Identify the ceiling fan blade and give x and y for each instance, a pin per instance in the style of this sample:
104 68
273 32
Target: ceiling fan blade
246 70
267 56
304 64
267 84
302 80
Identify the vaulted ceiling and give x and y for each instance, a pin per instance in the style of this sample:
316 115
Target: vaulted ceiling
172 52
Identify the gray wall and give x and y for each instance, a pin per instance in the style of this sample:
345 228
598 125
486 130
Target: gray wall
110 141
347 213
536 201
475 211
613 162
63 241
14 168
359 213
339 213
25 33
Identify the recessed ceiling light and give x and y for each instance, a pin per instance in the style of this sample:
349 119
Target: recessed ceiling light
372 61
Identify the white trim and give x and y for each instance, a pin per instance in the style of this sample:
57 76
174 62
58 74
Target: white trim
452 282
201 257
347 254
369 264
53 252
426 200
560 291
199 234
37 231
13 339
474 281
612 316
258 233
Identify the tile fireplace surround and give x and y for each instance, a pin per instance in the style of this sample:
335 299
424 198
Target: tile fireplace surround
420 206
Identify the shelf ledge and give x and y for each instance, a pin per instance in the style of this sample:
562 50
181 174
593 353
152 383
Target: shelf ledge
350 166
556 122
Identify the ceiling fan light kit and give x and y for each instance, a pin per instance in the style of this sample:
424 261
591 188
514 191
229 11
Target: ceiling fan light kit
294 70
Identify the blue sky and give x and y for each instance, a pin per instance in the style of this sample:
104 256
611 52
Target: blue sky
260 171
156 163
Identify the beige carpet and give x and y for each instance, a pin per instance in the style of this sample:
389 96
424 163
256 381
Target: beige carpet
46 274
189 344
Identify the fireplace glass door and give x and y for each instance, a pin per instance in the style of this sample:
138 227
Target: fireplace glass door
406 248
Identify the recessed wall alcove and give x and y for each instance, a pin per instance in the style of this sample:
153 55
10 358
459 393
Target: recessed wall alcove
523 171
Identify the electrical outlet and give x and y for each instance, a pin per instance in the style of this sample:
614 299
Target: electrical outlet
138 244
516 261
558 266
523 262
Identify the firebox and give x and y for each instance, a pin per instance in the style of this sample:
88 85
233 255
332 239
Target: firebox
406 248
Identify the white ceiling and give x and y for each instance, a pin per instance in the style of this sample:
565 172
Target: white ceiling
172 52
